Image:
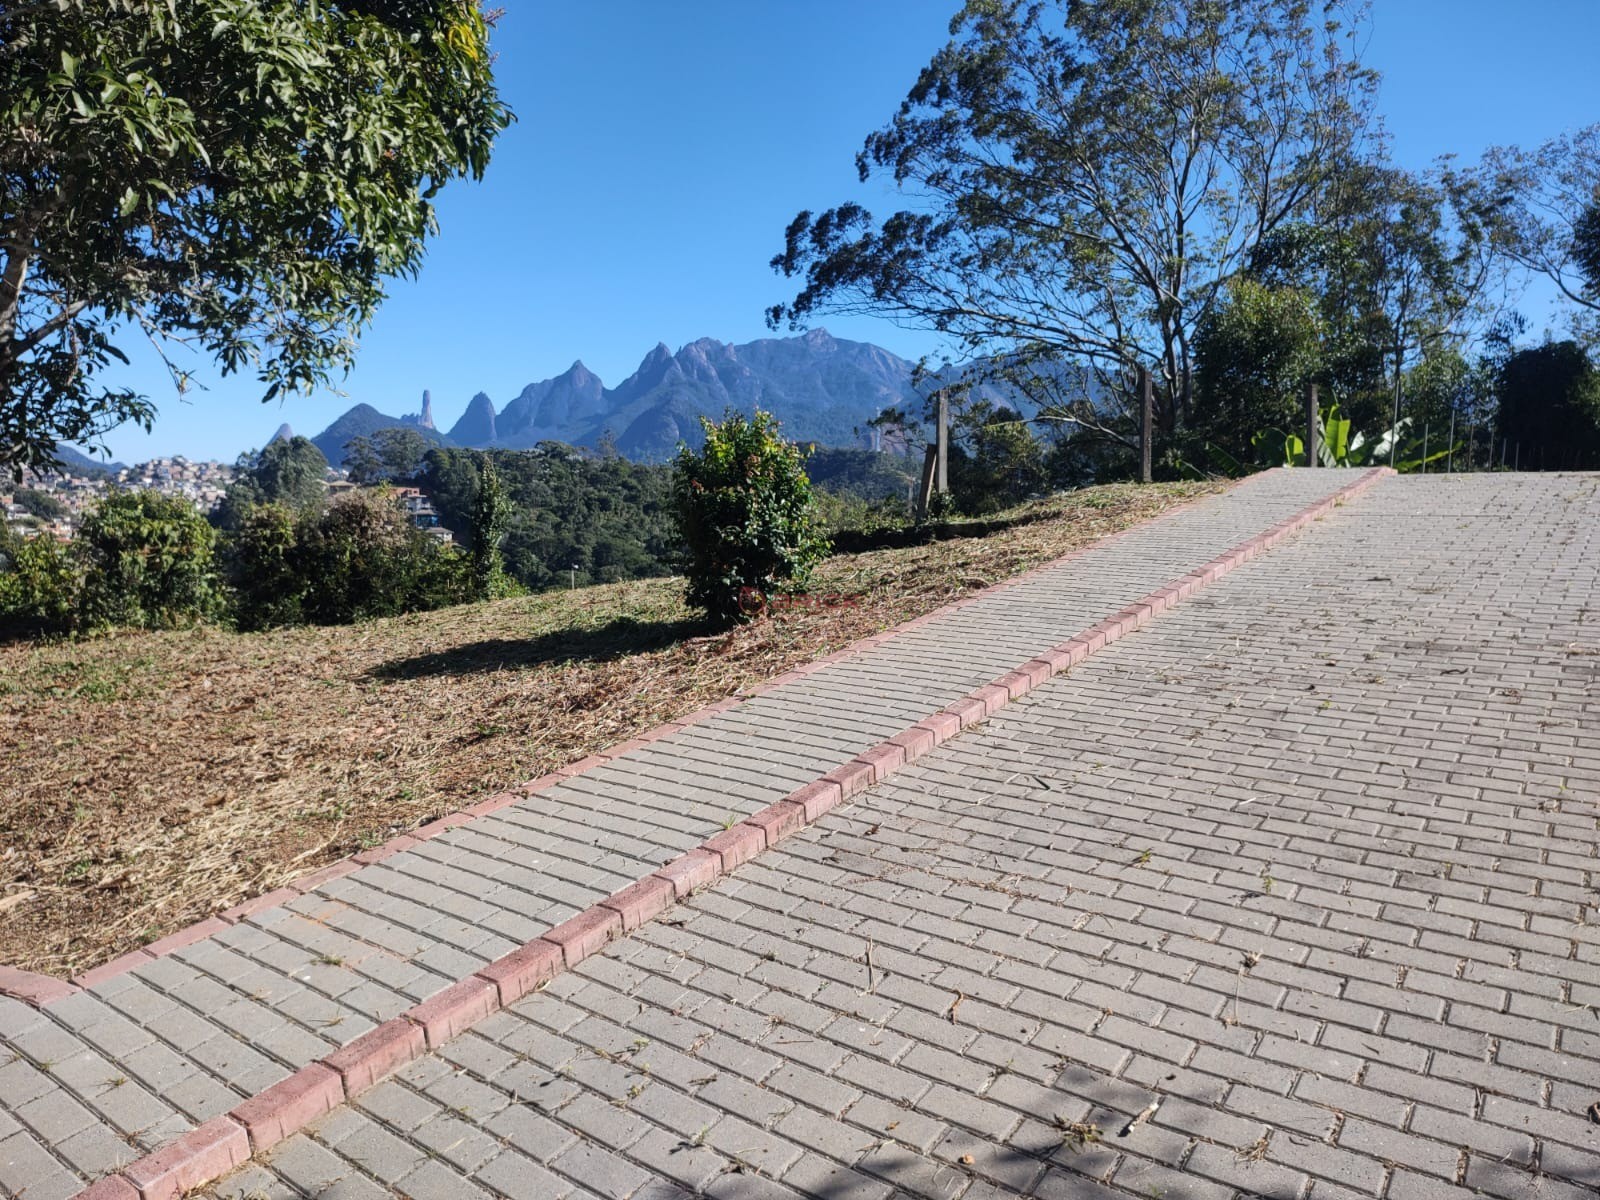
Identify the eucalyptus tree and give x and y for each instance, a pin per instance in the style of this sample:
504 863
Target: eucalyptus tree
1546 213
238 175
1082 181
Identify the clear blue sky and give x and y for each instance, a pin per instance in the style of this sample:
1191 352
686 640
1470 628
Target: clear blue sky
661 149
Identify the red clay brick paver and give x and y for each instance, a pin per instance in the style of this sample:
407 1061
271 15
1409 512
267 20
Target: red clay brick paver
289 1106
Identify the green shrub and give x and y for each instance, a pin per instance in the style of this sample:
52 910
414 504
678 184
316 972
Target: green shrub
746 517
39 585
149 562
264 568
490 512
356 559
1003 466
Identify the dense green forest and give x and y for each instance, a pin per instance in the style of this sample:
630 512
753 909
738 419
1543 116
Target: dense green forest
579 517
571 516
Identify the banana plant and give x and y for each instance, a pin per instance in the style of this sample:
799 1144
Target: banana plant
1339 446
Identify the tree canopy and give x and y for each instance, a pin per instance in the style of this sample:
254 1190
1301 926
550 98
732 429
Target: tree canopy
1372 297
287 471
1255 352
606 519
234 175
388 455
1087 178
1550 406
1546 205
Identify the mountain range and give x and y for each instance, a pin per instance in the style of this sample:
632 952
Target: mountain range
77 461
822 388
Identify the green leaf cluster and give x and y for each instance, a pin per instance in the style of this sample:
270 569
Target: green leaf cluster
237 175
1256 352
148 561
745 515
39 584
356 559
1549 407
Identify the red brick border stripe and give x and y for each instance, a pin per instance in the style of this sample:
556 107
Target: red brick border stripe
33 988
220 1145
377 1053
290 1105
186 1162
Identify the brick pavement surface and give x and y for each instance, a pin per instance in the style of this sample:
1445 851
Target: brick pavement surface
99 1078
1290 894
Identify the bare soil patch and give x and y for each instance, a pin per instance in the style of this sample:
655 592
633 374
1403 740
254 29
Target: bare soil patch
150 780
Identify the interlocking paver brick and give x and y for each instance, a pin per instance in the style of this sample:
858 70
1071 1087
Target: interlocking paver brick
816 1176
601 1171
514 1176
1376 845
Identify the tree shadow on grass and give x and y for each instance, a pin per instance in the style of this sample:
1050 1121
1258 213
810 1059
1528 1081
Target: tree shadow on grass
613 640
861 541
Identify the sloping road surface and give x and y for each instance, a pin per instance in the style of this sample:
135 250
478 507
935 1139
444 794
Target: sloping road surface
1291 894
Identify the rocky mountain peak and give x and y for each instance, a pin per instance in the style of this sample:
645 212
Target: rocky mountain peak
477 425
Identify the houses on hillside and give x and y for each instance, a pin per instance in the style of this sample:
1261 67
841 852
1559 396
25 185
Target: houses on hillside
420 511
201 483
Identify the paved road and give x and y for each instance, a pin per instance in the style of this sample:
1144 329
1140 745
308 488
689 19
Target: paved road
96 1079
1290 894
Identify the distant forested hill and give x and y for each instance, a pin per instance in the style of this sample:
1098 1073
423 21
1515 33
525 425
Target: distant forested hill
608 517
77 462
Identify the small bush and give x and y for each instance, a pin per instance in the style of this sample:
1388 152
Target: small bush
149 562
745 513
264 569
357 559
39 586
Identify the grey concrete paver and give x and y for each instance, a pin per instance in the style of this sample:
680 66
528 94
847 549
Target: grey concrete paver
1045 960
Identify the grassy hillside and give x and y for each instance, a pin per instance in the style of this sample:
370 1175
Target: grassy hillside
153 779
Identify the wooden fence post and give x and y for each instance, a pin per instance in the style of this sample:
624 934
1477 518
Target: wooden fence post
1313 424
942 442
925 491
1147 404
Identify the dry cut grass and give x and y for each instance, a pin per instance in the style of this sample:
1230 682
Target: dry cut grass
152 779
